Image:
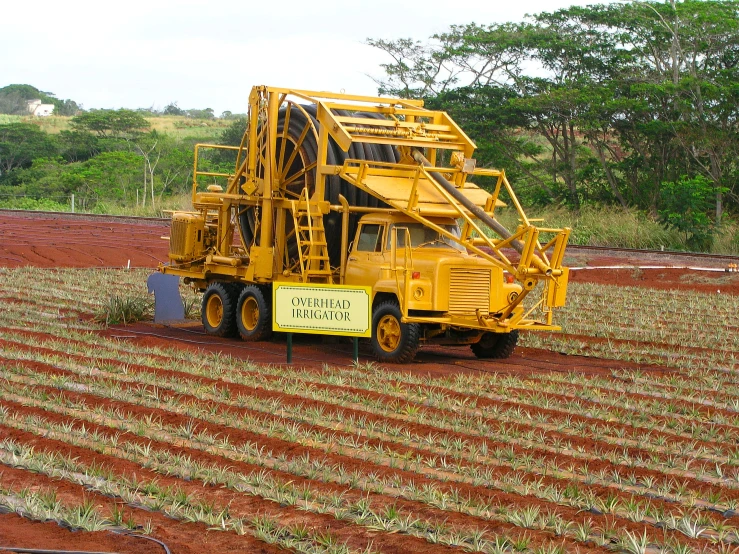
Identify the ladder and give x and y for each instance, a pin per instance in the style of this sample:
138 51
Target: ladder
311 240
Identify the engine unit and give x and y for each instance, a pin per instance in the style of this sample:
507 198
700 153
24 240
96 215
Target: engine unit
186 237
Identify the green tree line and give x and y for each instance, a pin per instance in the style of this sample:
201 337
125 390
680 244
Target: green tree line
107 158
632 104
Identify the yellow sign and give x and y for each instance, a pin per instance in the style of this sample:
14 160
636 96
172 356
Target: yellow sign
322 309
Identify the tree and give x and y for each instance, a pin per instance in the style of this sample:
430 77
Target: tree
625 96
468 55
173 109
686 204
165 161
207 113
232 135
110 123
43 179
682 84
109 175
78 146
20 143
174 171
67 107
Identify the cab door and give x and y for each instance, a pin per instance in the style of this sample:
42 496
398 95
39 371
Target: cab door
366 256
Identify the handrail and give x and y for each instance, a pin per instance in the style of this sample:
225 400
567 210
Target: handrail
196 158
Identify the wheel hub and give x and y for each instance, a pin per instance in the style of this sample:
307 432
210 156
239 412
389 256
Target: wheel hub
250 313
214 311
388 333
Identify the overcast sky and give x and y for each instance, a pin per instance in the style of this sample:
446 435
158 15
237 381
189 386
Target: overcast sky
142 53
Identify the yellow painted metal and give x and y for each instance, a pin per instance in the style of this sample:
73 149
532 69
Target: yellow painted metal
311 239
266 187
250 313
388 333
186 237
214 310
557 290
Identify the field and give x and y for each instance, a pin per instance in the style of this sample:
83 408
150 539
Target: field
618 435
173 125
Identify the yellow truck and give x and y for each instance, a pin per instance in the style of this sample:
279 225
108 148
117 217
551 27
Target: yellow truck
366 191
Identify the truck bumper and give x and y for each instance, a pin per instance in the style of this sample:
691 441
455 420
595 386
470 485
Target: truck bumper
485 323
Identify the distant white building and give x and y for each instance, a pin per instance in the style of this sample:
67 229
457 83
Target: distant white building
38 109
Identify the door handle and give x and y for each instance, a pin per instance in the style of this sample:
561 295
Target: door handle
352 259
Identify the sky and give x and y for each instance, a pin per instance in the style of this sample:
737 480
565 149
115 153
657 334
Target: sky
208 54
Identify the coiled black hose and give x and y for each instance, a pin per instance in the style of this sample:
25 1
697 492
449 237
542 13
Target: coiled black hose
297 122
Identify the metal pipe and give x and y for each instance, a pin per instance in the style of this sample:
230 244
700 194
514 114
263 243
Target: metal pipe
479 213
234 262
344 237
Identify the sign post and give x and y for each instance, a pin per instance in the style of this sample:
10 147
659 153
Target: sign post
338 310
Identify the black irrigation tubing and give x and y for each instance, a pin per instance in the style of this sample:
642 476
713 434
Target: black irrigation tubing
48 551
140 536
298 120
209 343
268 351
203 333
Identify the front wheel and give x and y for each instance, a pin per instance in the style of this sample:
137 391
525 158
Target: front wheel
253 314
495 345
219 309
392 340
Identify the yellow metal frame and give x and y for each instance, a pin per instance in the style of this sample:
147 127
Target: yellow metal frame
260 182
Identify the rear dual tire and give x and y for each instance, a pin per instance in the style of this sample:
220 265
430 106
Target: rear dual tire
219 309
254 314
230 309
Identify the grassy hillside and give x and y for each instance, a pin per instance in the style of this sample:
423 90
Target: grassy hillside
177 126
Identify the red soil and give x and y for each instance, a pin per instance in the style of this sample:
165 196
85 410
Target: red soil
55 241
667 279
19 532
293 451
675 271
313 351
183 538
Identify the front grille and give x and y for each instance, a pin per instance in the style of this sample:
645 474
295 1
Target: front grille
178 238
469 290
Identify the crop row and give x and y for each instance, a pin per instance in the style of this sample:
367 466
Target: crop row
634 461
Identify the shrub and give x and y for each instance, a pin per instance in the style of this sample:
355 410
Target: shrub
686 204
125 310
41 204
602 226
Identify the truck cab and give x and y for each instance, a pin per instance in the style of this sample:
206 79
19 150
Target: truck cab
426 286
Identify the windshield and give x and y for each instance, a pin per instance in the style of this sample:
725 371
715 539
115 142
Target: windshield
422 236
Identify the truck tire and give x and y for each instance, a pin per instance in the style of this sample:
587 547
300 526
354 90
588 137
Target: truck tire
495 345
219 309
253 314
392 340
